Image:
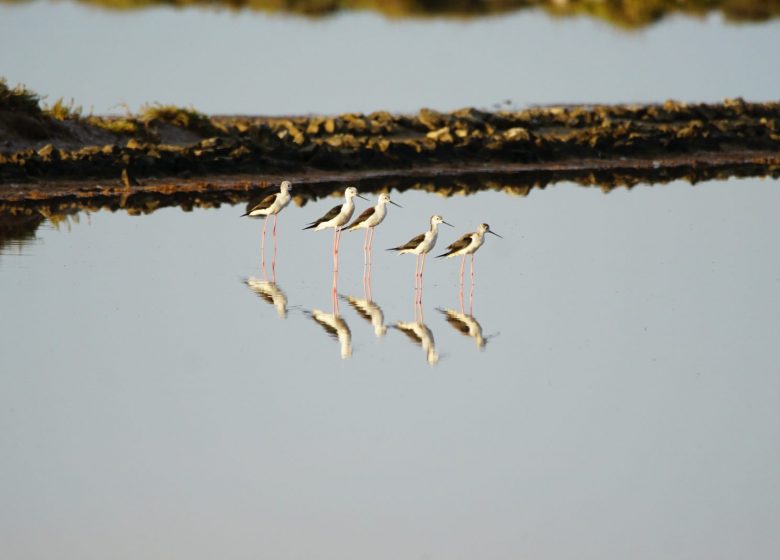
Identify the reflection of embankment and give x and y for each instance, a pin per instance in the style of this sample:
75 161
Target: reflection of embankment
623 13
22 210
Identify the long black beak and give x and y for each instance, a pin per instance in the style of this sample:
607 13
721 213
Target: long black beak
447 223
394 204
494 233
361 196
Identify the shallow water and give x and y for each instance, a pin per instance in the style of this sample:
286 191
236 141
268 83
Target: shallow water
244 62
626 394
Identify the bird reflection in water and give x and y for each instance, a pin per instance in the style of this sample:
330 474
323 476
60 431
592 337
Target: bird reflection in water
466 324
269 292
367 307
335 326
420 334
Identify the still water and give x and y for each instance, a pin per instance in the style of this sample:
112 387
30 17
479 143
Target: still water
254 63
623 401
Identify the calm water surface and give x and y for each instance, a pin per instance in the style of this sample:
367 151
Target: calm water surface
625 402
243 62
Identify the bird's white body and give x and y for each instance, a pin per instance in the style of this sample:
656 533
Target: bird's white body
373 216
376 217
477 240
428 241
347 209
281 199
338 220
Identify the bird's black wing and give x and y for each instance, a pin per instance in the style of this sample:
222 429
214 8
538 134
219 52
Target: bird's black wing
263 204
459 244
332 213
411 244
364 215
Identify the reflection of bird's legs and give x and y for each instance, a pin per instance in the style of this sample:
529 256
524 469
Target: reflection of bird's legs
334 288
368 285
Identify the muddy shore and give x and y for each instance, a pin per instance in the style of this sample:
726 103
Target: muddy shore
44 158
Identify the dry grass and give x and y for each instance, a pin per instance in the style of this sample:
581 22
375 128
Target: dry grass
19 99
63 111
188 118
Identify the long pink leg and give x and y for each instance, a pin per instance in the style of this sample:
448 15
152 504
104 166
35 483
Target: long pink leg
262 245
365 249
335 260
471 291
273 261
422 267
416 275
338 240
368 284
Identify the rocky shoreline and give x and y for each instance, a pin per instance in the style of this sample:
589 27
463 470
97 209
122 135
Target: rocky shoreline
166 151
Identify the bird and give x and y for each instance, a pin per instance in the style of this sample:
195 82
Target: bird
368 220
271 205
335 218
421 245
468 245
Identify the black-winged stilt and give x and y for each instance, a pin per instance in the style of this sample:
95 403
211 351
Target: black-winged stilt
270 205
336 218
421 245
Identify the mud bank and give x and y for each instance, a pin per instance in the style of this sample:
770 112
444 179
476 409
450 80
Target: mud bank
170 151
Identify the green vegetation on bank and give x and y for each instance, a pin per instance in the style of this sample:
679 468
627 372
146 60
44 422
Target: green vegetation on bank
623 13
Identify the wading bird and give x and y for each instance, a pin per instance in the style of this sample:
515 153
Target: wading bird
421 245
368 220
271 205
335 218
468 245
